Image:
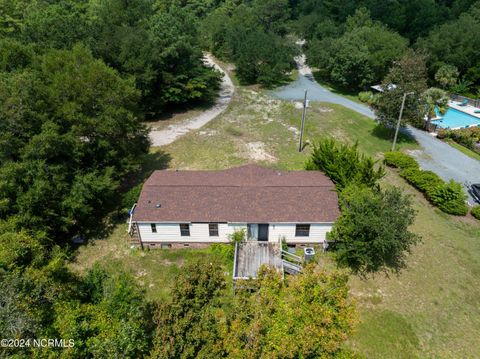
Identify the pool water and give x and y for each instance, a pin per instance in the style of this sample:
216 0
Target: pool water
456 119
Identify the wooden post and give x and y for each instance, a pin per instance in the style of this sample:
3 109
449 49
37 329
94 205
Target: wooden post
303 121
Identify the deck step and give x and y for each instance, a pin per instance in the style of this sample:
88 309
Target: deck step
291 268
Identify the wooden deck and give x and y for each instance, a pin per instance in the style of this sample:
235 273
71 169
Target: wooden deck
250 255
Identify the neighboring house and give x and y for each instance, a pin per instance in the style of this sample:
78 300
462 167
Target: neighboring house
197 208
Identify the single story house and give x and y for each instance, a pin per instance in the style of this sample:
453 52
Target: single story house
197 208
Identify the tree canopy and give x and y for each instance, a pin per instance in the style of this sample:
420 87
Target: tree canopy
275 320
68 136
361 56
373 229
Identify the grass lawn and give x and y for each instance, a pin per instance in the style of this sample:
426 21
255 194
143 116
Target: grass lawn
261 129
432 308
429 310
155 270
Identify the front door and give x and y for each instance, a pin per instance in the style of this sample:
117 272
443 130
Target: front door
263 232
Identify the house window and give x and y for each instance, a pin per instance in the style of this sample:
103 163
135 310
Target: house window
213 229
185 230
302 230
154 227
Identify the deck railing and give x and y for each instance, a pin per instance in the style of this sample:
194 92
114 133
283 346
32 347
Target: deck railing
131 218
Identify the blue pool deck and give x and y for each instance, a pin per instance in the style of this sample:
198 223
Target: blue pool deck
458 117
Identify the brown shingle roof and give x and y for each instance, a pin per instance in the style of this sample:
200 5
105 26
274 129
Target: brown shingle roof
242 194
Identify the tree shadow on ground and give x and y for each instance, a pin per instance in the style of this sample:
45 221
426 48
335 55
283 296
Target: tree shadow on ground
154 160
386 133
130 190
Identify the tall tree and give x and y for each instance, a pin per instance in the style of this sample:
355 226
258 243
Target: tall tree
447 76
435 101
68 137
408 75
361 56
373 229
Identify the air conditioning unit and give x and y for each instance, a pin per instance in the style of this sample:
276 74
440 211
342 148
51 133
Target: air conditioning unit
308 254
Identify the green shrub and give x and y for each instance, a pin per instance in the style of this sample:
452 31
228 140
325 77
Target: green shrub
399 160
443 133
425 181
467 137
237 236
450 198
226 251
344 164
476 212
365 96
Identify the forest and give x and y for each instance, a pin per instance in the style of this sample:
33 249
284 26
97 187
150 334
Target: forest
78 79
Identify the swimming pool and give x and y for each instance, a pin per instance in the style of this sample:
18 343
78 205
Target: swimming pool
456 119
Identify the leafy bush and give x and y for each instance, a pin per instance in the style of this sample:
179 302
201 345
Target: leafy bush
450 198
344 164
237 236
368 97
399 160
425 181
365 96
476 212
468 137
223 250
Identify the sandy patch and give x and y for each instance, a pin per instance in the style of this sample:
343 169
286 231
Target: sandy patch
256 151
208 133
295 131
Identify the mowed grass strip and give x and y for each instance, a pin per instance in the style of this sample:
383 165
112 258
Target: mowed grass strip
432 308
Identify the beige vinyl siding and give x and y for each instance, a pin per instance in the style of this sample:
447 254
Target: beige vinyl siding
199 233
318 232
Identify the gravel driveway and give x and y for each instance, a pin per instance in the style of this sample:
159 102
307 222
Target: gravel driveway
435 155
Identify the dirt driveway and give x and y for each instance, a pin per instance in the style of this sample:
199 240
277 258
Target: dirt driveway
172 132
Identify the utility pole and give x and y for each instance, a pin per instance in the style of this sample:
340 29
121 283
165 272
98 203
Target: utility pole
400 119
303 121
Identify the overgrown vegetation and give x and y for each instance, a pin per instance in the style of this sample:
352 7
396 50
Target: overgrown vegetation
447 196
361 56
40 297
201 322
251 34
355 42
476 212
468 137
372 232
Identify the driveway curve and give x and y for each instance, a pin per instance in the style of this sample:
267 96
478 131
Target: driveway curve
174 131
434 155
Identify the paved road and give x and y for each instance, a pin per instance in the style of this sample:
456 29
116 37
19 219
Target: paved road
434 155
